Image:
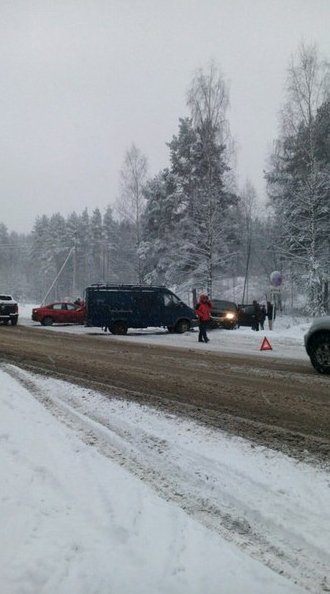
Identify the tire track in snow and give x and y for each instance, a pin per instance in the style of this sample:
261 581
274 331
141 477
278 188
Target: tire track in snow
203 488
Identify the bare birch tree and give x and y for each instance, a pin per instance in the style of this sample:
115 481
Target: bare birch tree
131 203
307 87
298 182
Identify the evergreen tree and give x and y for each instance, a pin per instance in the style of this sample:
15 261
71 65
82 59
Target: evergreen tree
41 276
84 246
160 226
190 209
96 252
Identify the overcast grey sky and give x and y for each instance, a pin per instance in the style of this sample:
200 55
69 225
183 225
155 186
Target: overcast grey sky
81 80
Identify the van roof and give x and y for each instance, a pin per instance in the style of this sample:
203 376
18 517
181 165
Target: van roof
117 286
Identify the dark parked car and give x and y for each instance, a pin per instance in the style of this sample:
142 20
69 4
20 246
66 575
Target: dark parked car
246 314
224 314
317 344
8 310
119 307
59 313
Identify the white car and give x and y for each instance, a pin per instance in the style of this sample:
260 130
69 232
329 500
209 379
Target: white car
8 309
317 344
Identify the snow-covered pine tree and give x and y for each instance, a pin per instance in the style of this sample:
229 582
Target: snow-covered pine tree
191 203
159 229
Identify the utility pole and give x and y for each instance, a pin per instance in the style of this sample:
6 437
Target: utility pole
246 278
58 275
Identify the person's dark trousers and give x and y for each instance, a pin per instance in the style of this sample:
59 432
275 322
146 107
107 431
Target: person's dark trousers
202 331
255 325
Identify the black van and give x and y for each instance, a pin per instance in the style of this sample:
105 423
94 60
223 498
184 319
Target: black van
119 307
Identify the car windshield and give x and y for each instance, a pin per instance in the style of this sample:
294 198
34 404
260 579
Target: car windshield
219 304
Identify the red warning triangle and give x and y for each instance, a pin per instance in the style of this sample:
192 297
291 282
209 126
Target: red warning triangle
265 345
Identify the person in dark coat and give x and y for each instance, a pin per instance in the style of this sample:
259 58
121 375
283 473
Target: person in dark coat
203 312
270 312
262 316
256 316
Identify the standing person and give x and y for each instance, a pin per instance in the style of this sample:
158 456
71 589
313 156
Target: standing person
203 312
256 316
270 314
262 316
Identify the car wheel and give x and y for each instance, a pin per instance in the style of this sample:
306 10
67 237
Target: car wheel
14 321
118 328
320 352
170 329
182 326
229 326
48 321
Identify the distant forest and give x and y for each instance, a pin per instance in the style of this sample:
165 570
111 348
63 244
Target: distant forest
189 226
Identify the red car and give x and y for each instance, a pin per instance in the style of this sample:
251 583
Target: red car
59 313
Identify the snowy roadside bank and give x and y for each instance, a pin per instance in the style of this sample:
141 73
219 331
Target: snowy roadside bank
79 514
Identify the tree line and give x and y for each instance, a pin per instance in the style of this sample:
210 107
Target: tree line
190 225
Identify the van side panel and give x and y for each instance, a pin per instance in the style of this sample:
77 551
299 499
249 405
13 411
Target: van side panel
107 306
136 307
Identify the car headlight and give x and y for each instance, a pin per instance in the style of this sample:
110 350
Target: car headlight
230 316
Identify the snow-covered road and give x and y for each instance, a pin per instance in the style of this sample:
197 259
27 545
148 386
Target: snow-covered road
101 495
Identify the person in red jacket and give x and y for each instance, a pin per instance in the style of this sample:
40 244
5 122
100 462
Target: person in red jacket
203 312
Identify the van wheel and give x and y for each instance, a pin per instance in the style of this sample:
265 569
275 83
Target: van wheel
170 329
118 328
182 326
14 321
